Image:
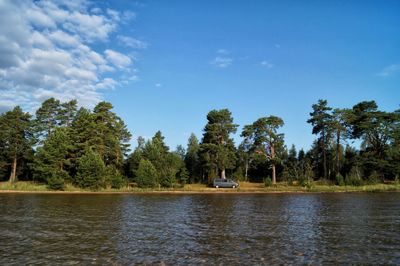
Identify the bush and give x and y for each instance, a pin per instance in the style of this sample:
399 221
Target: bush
306 182
91 171
287 174
146 174
339 179
267 182
55 179
56 183
114 179
373 178
183 176
354 177
169 180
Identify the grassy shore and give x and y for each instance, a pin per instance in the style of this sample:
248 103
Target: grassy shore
245 187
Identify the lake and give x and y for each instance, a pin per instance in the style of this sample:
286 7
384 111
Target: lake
229 229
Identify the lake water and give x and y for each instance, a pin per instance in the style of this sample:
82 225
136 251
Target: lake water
356 228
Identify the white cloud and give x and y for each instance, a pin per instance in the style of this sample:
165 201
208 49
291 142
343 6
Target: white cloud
158 85
132 42
266 64
222 62
47 49
118 59
63 39
222 52
390 70
90 27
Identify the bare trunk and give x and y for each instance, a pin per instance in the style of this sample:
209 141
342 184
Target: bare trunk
223 174
324 153
13 175
246 170
273 174
338 152
273 165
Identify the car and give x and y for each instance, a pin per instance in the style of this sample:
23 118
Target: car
225 183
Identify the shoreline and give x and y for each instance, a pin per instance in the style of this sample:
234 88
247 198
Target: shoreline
193 192
198 189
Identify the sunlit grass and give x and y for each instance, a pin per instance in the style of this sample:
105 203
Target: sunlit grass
23 186
28 186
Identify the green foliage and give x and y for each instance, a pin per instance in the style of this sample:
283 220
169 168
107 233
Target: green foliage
146 174
89 149
306 176
321 121
268 182
354 178
91 171
340 180
238 174
114 179
16 140
103 132
56 181
373 178
192 160
217 151
264 140
183 176
54 156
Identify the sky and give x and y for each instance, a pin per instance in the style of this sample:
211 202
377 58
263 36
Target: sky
165 64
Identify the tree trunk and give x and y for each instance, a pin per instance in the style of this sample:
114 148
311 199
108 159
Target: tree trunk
338 152
246 170
223 174
273 165
273 174
324 153
13 175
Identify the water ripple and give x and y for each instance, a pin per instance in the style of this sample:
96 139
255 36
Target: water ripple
200 229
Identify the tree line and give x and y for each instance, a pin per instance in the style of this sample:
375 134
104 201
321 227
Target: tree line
63 144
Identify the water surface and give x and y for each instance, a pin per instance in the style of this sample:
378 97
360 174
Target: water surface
357 228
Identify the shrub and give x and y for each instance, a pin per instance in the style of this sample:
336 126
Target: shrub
267 182
91 171
114 179
168 180
339 179
373 178
56 183
354 177
183 176
55 179
146 174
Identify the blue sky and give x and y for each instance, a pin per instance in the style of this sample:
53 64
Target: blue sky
165 64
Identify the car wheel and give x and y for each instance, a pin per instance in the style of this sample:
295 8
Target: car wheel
233 186
216 186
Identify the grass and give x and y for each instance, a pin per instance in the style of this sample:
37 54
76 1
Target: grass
245 187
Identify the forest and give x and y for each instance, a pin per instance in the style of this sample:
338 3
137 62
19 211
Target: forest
62 144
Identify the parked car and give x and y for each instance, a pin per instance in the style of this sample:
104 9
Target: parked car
220 182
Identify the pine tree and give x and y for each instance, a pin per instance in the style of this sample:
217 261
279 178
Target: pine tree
265 139
52 160
217 148
16 138
192 159
320 120
146 174
91 171
48 117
